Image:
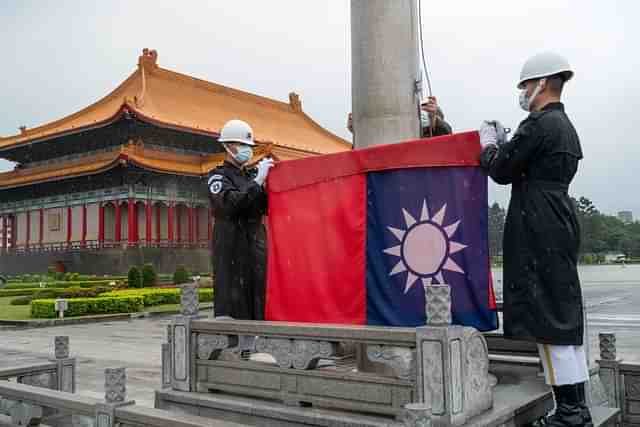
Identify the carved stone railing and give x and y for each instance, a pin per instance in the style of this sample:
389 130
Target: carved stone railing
439 366
43 395
58 374
620 380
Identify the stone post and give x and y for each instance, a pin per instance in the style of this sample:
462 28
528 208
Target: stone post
610 369
182 342
416 415
115 395
452 364
66 365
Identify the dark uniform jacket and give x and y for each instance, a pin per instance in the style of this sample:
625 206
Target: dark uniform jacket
541 289
441 128
239 252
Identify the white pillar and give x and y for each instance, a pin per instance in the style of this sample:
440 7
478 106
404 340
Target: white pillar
384 70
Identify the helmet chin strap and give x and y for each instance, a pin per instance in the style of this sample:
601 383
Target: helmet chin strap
537 91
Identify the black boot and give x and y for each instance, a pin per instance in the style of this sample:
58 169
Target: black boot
582 401
568 411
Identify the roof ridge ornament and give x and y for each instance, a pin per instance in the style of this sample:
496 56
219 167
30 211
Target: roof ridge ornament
295 102
148 59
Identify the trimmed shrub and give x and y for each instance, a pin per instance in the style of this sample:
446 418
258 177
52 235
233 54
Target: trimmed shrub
45 308
149 275
21 300
155 296
181 275
89 284
17 292
135 277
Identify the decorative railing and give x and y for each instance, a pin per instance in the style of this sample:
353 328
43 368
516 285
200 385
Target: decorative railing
438 363
43 396
105 244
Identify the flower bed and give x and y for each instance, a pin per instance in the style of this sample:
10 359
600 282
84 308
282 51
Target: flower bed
45 308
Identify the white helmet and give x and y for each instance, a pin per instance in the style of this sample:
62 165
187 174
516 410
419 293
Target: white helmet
237 131
544 65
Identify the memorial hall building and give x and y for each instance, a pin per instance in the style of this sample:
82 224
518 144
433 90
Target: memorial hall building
123 181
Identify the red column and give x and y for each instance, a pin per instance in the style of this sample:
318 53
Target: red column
14 235
118 233
197 221
101 225
210 225
190 224
4 232
83 237
158 224
131 223
69 224
178 224
41 239
28 230
170 223
148 221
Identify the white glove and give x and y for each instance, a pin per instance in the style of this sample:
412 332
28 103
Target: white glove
263 170
488 134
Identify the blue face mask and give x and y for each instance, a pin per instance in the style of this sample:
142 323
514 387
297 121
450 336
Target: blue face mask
243 155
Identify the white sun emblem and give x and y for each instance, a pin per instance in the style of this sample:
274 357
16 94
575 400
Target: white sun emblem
425 247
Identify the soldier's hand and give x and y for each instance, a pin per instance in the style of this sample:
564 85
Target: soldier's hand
431 106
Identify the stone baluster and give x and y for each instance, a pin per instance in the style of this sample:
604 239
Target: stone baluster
610 369
115 395
416 415
450 359
66 369
182 342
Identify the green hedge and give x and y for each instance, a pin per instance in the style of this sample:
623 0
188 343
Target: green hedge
45 308
70 292
61 284
152 296
18 292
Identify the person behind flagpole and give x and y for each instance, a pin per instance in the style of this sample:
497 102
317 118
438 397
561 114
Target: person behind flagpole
428 110
239 203
542 295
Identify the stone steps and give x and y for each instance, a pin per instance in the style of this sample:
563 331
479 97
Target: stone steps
604 417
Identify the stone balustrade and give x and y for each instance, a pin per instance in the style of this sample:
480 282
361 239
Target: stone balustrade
439 366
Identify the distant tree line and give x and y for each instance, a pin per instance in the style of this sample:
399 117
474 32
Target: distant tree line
601 233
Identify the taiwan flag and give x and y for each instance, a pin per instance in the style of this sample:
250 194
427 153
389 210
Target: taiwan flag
355 236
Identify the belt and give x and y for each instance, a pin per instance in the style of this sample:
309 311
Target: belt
546 185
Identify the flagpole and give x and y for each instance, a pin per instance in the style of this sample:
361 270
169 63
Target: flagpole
385 69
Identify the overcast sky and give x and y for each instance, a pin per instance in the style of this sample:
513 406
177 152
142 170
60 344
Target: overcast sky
59 56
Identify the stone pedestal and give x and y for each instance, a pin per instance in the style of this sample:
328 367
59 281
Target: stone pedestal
452 364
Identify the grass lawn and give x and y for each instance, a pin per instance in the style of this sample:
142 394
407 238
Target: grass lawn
13 312
23 312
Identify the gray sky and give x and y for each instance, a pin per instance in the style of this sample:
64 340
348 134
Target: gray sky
59 56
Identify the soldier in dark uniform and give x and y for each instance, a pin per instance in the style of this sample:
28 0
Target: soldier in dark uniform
429 112
542 295
239 202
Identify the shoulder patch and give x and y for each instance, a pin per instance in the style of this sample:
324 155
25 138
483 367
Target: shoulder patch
215 187
214 178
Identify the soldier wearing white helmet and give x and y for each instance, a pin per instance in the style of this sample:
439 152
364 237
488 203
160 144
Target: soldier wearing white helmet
239 203
542 295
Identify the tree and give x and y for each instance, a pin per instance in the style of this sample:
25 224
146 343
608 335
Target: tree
135 277
149 276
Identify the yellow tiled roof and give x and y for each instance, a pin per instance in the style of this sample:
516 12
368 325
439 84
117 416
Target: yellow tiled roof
177 100
160 161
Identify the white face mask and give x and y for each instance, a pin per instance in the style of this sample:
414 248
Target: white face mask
526 101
